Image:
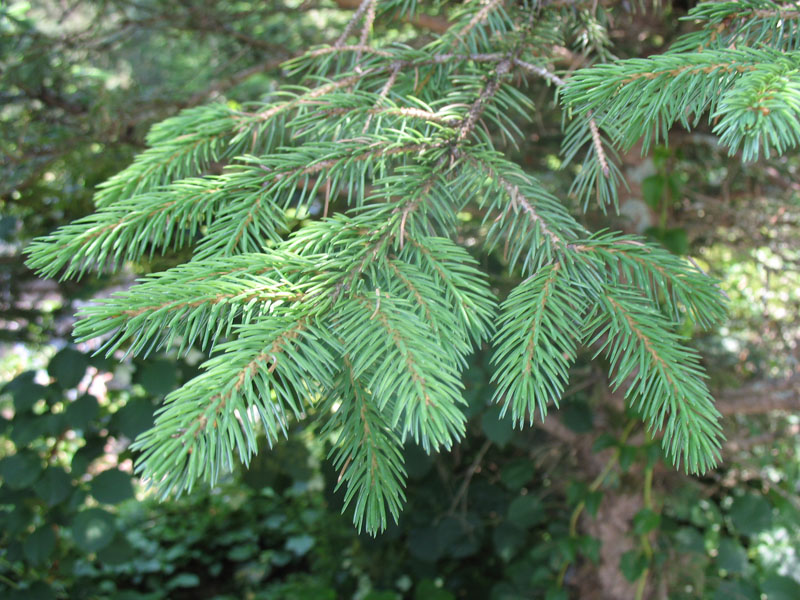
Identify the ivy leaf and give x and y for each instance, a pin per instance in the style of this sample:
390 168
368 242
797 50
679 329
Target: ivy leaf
653 190
516 473
645 521
299 545
632 564
736 590
508 539
25 392
428 590
526 511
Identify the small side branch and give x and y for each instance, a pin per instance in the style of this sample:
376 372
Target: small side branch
363 7
597 142
540 71
479 18
517 198
477 108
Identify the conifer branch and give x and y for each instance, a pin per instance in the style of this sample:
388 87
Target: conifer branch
664 378
370 315
536 342
367 455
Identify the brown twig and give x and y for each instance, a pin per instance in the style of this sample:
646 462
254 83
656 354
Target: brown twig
470 473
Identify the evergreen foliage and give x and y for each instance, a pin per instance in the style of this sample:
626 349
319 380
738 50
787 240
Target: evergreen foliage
365 316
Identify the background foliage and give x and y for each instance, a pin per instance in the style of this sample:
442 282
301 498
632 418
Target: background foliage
577 506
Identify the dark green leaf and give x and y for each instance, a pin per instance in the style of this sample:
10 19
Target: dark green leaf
576 492
654 454
27 427
590 548
134 418
593 500
68 367
736 590
111 487
632 564
183 580
780 587
118 552
39 546
751 514
627 456
604 441
158 377
17 520
38 590
21 469
460 537
82 412
577 416
688 539
508 539
423 544
93 529
731 556
373 595
88 453
300 544
676 240
54 485
653 190
25 392
645 521
526 511
556 593
500 431
517 473
428 590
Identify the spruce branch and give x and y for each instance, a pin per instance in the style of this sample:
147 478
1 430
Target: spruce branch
413 367
749 22
201 425
367 453
664 380
195 303
664 278
535 343
737 87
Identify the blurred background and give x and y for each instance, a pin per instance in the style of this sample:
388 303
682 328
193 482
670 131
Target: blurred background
576 507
